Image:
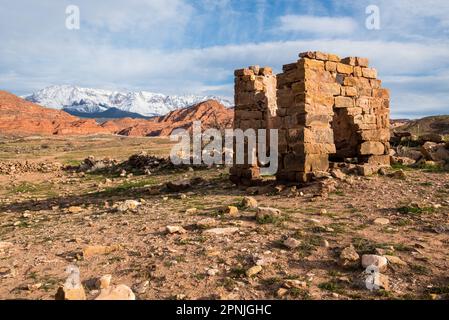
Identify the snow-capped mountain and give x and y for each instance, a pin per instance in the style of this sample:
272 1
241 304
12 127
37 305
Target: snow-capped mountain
90 100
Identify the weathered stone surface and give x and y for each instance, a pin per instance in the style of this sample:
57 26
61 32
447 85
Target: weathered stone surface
264 213
372 147
175 229
375 260
119 292
249 202
349 257
381 221
94 250
221 231
207 223
253 271
395 260
292 243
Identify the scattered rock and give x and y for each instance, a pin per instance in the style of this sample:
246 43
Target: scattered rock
177 186
395 260
399 174
338 174
281 292
74 209
253 271
120 292
292 243
212 272
191 211
266 213
142 287
349 257
175 229
207 223
249 202
94 250
232 211
295 283
381 221
374 260
127 205
104 282
431 137
221 231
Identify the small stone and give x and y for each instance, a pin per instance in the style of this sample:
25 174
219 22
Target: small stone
325 243
295 283
175 229
177 186
104 282
120 292
253 271
349 257
232 211
292 243
94 250
374 260
323 211
127 205
400 174
264 213
206 223
249 202
74 209
191 211
395 260
338 174
381 221
212 272
221 231
281 292
142 287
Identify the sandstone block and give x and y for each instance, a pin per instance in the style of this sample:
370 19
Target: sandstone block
243 72
362 62
372 147
344 68
330 66
349 60
369 73
344 102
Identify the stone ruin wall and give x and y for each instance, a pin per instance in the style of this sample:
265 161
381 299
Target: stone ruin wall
324 107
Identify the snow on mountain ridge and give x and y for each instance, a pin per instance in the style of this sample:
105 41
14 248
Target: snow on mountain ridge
97 100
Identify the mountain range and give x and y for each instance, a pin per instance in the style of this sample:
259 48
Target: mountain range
89 102
19 117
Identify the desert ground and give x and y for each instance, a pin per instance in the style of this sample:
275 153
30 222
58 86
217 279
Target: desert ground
115 222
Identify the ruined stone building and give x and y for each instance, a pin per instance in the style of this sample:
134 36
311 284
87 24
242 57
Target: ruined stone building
326 110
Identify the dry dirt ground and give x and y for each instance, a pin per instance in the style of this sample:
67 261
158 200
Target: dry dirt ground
41 232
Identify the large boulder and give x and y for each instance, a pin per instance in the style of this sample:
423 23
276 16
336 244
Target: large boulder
435 152
407 152
431 137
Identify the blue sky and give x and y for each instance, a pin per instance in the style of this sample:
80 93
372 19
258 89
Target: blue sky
181 46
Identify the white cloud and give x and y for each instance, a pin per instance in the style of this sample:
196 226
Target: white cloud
317 25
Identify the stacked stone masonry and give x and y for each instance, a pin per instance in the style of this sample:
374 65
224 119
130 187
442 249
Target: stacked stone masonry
325 109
